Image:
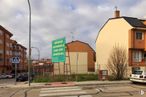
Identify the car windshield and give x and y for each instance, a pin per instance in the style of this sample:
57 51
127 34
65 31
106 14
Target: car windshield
137 72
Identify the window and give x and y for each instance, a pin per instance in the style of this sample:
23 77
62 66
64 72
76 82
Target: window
139 35
7 60
1 51
7 52
135 69
17 53
1 32
14 46
137 72
1 42
10 52
137 56
1 59
7 36
10 44
7 44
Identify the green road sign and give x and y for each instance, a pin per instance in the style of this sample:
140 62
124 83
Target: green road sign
58 50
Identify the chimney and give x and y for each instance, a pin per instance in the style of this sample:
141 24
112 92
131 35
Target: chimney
117 13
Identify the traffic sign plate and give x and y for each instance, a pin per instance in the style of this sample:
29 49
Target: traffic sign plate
15 60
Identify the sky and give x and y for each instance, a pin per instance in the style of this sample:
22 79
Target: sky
53 19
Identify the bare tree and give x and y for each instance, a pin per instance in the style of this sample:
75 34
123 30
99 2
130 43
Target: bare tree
117 62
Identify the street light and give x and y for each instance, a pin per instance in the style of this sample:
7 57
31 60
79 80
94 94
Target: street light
38 52
29 58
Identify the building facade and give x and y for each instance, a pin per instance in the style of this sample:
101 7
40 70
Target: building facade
7 51
5 36
82 58
127 32
19 51
42 67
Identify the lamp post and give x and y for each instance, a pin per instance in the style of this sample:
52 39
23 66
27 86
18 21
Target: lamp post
29 58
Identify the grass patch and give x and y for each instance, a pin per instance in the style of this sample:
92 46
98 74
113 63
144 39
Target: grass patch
62 78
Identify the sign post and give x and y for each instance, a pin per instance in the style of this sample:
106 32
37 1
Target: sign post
59 50
15 73
16 61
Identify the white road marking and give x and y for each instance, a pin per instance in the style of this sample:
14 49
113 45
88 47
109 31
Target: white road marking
61 93
58 91
58 88
48 91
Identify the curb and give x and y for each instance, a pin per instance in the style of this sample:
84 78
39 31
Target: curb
102 83
49 85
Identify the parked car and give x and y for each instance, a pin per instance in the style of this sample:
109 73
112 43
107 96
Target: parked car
23 77
138 76
3 76
9 76
13 75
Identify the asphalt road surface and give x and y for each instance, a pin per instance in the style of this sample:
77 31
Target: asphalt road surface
110 90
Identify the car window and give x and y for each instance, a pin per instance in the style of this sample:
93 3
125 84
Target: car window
137 72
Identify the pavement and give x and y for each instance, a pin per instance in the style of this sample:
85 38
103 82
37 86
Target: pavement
60 84
122 88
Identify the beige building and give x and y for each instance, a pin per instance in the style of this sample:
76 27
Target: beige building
127 32
82 58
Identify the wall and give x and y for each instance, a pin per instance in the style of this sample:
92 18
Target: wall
4 47
81 68
77 46
1 50
114 32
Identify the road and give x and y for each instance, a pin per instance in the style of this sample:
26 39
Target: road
109 90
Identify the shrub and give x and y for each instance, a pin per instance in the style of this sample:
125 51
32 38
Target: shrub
61 78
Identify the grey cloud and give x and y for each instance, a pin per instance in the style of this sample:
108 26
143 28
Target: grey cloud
52 19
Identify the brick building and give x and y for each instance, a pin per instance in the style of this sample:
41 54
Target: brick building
19 51
8 50
82 58
43 66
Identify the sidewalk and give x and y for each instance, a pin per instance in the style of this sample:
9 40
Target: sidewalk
62 84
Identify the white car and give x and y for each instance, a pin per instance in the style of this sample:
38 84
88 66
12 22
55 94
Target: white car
138 76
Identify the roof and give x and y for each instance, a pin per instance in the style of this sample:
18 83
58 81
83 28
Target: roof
2 28
13 41
22 46
134 22
82 43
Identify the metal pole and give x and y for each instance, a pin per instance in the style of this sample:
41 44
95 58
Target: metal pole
29 58
77 67
15 73
72 36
